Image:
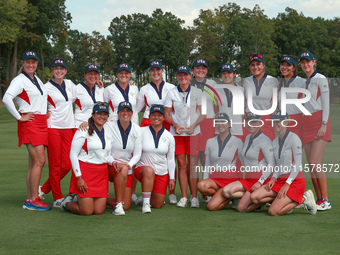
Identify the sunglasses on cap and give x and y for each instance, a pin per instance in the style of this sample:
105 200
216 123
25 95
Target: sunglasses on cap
255 56
101 103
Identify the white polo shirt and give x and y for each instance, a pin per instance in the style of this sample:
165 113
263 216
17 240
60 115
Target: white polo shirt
84 102
60 104
114 94
149 95
158 151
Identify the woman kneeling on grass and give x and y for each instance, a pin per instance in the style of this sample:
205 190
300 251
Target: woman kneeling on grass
156 168
221 151
287 185
90 153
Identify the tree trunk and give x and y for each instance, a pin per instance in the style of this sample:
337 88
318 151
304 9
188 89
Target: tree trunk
13 63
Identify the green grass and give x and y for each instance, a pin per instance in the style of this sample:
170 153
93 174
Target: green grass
169 230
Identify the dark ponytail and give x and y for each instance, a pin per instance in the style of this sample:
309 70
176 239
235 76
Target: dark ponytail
91 123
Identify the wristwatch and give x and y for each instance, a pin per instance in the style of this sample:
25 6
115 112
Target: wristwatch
324 122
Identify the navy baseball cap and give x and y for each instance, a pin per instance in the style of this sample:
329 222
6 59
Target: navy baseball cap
100 107
157 108
278 116
183 69
307 55
124 104
58 62
222 116
289 59
155 63
91 67
257 57
253 116
124 66
227 67
200 61
29 54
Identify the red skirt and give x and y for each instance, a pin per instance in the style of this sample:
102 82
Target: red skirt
311 125
207 132
34 132
160 183
96 178
222 182
298 128
250 179
296 189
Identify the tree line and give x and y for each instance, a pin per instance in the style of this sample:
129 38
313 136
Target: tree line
227 33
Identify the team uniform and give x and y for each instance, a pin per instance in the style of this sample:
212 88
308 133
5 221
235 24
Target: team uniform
61 127
288 162
158 153
258 156
89 157
150 95
223 155
207 125
127 145
84 101
114 94
227 107
185 143
318 106
293 111
262 97
31 97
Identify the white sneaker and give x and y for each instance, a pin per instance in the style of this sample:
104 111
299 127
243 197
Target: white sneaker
300 206
133 198
57 202
195 203
40 193
139 201
146 208
67 199
75 198
172 199
235 203
183 202
118 210
309 202
208 199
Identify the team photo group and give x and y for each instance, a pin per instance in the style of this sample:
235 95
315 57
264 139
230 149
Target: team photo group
190 137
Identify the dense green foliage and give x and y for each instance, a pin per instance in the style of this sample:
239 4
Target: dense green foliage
226 33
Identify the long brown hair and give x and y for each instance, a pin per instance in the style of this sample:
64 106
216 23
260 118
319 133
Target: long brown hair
91 123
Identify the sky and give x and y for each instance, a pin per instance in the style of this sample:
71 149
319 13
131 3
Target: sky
96 15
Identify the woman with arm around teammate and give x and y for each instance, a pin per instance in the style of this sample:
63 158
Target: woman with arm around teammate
257 155
61 127
31 97
156 168
90 154
287 185
258 92
316 127
185 101
221 154
121 91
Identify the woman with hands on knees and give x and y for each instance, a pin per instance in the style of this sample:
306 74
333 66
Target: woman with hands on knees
126 152
156 168
257 155
90 154
221 152
287 186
